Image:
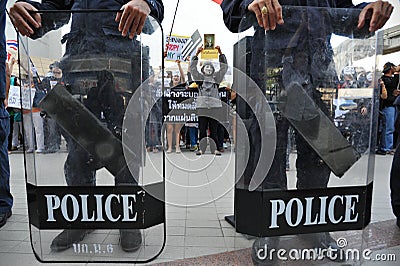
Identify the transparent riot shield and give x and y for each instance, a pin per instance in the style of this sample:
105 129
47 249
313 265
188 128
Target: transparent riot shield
94 193
307 99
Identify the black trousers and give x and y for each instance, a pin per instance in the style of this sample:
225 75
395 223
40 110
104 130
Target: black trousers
204 124
108 106
312 172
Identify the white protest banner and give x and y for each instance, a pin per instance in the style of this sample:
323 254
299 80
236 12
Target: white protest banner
174 45
14 97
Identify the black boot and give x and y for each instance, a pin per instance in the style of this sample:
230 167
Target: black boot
4 217
131 239
260 251
67 238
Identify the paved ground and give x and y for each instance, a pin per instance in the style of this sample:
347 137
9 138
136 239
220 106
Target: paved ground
199 194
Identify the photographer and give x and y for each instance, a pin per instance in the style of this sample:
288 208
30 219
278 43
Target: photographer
52 134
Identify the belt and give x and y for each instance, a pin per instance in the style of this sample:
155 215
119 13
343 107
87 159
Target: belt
116 65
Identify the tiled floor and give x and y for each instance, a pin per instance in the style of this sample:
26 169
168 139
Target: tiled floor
198 193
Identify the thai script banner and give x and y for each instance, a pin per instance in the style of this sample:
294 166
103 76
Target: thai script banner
179 105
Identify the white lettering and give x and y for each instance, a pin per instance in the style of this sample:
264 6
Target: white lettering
262 253
85 211
309 212
75 208
350 208
322 210
99 208
294 254
108 207
331 209
128 208
275 212
92 208
51 206
288 212
281 254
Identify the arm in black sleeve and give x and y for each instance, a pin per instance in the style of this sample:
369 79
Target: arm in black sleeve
50 21
156 9
344 4
233 11
392 83
345 20
48 4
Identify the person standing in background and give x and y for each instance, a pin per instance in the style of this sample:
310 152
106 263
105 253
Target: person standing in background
6 199
177 81
391 82
33 121
16 132
209 80
52 132
154 119
13 112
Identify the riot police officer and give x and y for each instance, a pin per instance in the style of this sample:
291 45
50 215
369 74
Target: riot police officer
95 39
282 41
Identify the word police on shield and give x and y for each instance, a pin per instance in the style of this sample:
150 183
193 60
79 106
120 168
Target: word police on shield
100 208
306 211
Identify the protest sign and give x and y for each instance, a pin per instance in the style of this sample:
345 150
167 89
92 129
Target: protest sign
209 54
14 97
174 45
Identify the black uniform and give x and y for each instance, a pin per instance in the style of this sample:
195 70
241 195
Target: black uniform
280 48
94 43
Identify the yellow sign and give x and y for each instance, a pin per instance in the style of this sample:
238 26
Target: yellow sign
209 54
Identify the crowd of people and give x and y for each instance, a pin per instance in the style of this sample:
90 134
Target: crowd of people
193 134
42 134
350 78
187 135
389 103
